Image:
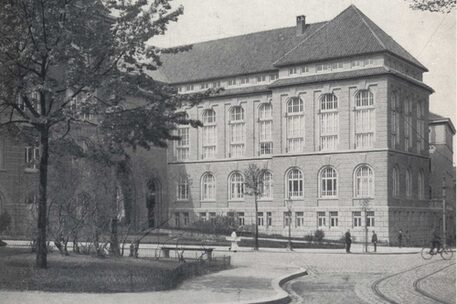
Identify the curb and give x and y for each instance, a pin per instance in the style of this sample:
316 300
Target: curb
282 297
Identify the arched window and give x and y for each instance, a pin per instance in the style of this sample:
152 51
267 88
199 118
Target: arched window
183 144
183 188
328 182
395 181
408 124
209 135
420 120
364 182
328 122
237 132
421 185
364 119
236 182
409 183
266 180
294 183
265 129
208 187
295 125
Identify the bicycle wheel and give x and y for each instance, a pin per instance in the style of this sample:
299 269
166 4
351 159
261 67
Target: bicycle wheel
446 254
425 253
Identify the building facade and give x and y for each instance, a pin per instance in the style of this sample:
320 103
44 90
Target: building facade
335 112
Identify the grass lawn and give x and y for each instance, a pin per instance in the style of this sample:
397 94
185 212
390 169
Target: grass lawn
80 273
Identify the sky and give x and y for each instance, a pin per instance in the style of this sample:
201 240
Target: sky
429 37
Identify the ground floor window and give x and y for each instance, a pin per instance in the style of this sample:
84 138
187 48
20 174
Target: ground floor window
240 218
370 218
269 219
186 218
177 220
321 219
212 216
202 216
260 219
333 218
299 219
356 219
286 219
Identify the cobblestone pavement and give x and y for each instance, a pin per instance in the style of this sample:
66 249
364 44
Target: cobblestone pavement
437 285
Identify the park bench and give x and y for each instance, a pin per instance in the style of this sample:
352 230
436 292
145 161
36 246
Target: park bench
180 251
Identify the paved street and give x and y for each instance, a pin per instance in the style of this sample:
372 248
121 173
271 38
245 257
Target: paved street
334 277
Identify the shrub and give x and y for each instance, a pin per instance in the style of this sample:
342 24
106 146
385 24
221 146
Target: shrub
219 225
5 221
319 235
309 237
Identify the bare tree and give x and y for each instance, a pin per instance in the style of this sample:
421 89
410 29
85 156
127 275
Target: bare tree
435 6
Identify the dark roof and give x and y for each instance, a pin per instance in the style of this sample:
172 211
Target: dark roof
438 119
346 75
348 34
232 56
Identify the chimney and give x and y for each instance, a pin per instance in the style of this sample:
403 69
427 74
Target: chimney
301 23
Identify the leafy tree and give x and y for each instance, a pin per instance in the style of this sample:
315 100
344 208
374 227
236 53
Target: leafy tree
63 61
440 6
254 186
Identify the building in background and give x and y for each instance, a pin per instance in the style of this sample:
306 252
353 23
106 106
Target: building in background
337 114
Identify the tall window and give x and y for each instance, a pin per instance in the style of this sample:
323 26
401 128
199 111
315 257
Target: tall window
240 216
260 219
333 218
269 219
328 122
295 125
208 187
409 183
186 218
370 218
2 152
266 180
236 181
356 219
209 138
364 119
265 129
183 144
328 182
420 119
394 120
295 183
395 182
364 182
299 219
421 185
183 188
32 156
237 132
321 219
408 124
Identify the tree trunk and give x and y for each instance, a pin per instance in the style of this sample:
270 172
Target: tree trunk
114 244
41 253
256 242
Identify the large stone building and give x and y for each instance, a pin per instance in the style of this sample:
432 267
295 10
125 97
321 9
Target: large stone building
337 114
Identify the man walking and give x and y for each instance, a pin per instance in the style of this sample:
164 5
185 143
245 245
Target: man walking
348 241
374 240
400 238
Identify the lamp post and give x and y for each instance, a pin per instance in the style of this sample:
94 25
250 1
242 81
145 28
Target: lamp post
289 215
364 204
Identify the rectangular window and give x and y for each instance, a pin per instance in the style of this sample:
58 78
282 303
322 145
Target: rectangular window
237 138
333 218
265 137
370 218
209 141
202 216
293 71
295 127
260 219
364 128
299 219
183 189
273 77
305 69
32 157
319 67
231 218
269 219
329 130
261 78
420 126
185 217
356 219
232 82
395 120
190 87
408 124
182 145
216 84
244 80
212 216
204 85
240 216
355 63
321 219
287 219
177 219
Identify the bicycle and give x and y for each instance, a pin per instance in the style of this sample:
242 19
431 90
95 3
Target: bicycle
445 252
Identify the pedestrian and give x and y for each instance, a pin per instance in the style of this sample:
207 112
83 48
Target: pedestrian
374 240
348 241
400 238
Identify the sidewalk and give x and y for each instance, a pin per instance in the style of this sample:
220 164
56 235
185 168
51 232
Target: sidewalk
254 278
